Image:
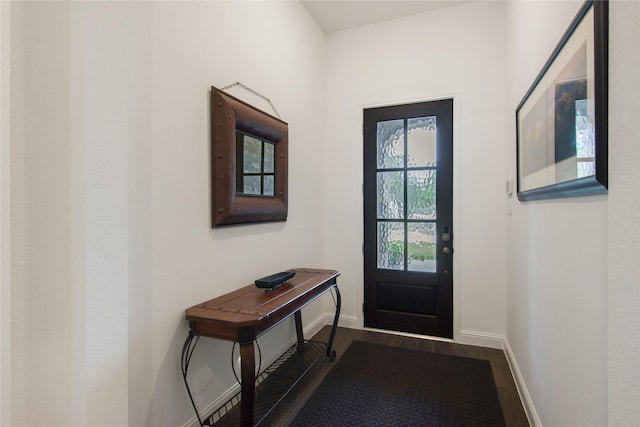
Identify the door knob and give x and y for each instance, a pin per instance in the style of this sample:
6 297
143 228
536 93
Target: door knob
446 250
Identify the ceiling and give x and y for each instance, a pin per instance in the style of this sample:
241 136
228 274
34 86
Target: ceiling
337 15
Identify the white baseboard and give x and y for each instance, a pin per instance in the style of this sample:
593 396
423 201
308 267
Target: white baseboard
500 342
345 320
309 331
349 321
213 406
482 339
525 397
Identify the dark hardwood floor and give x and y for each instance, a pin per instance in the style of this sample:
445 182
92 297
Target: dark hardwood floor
512 409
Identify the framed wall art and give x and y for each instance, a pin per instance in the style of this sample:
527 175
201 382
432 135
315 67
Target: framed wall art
562 120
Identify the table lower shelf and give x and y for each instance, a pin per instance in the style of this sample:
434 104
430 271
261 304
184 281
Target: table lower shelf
272 385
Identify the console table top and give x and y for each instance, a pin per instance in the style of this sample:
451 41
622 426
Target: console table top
250 306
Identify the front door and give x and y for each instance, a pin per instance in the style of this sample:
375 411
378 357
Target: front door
408 218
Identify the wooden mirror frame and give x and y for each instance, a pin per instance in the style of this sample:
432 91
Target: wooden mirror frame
229 115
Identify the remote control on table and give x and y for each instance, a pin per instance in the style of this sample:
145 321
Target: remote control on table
274 280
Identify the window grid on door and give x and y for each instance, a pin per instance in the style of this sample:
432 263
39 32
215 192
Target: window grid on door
406 178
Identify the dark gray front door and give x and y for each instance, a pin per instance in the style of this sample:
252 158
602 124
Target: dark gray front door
408 218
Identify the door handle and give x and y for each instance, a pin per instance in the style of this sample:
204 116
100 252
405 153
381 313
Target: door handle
447 250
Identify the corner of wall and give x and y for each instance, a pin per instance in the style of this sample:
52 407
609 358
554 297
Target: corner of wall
623 292
5 282
525 397
482 339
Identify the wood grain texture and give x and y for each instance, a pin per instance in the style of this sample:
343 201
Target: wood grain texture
248 312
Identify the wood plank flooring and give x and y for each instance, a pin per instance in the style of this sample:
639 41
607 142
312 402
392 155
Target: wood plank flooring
512 409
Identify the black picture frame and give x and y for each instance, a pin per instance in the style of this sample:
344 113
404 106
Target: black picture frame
561 122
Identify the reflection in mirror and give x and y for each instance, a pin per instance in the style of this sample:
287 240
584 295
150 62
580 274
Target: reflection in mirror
255 166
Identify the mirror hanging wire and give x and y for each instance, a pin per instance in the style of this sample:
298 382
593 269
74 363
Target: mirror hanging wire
253 92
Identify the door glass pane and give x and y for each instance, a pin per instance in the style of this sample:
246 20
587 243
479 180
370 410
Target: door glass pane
390 195
421 247
421 142
391 245
390 139
421 194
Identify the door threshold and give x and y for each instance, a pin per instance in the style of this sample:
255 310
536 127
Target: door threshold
409 334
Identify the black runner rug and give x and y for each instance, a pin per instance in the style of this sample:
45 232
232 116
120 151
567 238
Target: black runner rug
377 385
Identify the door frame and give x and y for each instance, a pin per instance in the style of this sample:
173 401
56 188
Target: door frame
458 239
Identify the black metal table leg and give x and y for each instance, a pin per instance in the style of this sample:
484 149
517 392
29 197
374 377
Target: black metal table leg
248 386
299 331
187 351
331 354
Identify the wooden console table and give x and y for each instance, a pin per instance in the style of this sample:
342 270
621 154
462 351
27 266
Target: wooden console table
245 314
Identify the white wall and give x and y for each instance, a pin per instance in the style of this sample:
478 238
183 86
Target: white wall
109 170
561 252
623 288
43 330
110 197
457 51
5 282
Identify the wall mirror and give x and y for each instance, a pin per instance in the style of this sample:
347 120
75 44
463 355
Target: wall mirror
255 166
249 150
562 148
